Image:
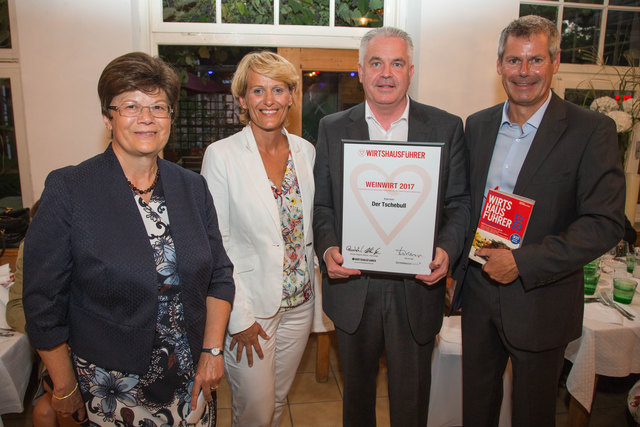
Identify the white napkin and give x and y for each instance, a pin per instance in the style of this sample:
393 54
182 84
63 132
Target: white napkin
4 298
4 295
6 279
605 282
602 313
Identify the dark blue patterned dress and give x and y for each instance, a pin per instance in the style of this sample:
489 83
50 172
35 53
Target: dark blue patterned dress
161 397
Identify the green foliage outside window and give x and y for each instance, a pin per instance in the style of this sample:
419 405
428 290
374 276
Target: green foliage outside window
189 10
359 13
247 11
304 12
349 13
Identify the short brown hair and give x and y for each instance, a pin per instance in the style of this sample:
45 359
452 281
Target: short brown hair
268 64
138 71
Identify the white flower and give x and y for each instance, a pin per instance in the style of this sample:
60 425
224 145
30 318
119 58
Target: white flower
623 120
632 106
604 104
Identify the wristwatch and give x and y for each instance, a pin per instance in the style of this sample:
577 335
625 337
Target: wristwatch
215 351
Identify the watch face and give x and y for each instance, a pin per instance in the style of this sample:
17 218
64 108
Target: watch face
214 351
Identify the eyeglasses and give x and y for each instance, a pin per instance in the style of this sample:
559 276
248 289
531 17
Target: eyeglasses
133 109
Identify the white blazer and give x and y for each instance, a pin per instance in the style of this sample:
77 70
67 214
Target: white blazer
249 220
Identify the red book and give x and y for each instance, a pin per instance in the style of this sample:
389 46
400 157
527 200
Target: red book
504 220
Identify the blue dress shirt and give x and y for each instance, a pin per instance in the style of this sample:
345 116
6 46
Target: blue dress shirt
511 148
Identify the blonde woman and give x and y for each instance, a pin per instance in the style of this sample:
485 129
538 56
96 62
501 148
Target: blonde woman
261 180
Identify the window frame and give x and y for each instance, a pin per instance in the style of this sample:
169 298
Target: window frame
584 76
11 71
268 35
579 76
604 7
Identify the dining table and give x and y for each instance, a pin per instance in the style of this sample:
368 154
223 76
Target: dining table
16 355
16 361
609 345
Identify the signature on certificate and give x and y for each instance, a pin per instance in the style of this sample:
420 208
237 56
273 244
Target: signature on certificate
405 252
362 249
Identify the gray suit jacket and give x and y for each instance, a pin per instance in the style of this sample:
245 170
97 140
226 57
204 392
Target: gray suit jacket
343 300
573 173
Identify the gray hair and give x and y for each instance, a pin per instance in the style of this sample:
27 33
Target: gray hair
526 26
385 32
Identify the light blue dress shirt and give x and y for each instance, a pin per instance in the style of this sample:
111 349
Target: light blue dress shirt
511 148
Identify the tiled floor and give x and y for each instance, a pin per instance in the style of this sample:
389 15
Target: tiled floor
313 404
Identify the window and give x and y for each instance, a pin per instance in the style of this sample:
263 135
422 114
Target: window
584 97
5 26
205 40
324 93
343 13
605 32
207 110
8 45
271 23
14 165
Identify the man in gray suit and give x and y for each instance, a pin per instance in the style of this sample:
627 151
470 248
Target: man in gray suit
374 312
527 304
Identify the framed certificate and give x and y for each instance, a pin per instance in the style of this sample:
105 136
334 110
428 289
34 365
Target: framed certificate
390 205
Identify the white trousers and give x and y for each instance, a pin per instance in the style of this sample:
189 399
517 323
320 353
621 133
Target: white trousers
259 393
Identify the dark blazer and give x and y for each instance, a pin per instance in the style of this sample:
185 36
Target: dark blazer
343 300
89 271
573 173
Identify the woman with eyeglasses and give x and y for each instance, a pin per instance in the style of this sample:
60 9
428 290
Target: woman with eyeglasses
261 179
127 287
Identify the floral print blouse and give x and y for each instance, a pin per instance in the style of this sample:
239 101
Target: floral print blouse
162 396
296 287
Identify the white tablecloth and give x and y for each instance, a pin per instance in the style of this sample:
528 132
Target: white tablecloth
445 403
610 345
15 370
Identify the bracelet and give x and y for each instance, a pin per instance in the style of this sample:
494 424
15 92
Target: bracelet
68 395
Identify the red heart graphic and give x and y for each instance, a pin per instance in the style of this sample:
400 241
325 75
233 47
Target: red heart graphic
426 188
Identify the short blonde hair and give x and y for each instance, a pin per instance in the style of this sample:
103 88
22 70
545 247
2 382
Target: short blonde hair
268 64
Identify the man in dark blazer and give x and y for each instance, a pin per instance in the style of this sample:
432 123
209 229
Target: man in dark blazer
527 304
374 312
